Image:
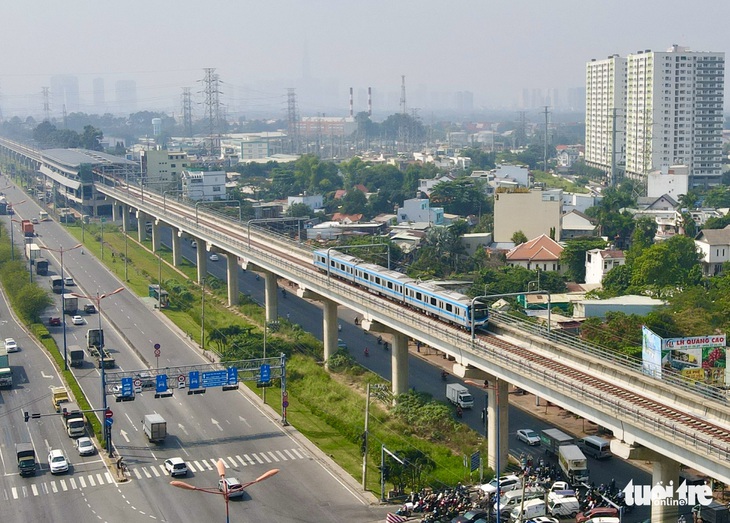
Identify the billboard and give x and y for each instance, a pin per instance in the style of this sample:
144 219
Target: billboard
696 358
651 352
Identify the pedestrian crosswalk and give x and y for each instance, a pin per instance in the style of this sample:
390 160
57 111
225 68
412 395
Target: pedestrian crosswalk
149 471
204 465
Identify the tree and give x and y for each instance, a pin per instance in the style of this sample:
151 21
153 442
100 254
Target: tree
462 197
674 263
299 210
91 139
354 202
519 238
574 256
617 281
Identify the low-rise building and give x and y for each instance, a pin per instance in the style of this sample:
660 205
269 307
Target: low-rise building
420 210
714 244
632 304
600 261
575 224
541 253
204 185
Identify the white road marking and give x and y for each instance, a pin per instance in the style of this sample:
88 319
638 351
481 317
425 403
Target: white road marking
82 482
239 458
281 455
63 485
54 488
292 456
34 489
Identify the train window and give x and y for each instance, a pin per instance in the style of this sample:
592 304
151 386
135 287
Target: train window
419 297
365 276
390 284
449 308
332 262
377 280
433 301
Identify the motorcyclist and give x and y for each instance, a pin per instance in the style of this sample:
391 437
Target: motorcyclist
444 375
459 411
366 352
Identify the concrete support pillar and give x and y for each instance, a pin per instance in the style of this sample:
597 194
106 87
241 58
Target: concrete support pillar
399 361
155 235
176 250
272 299
141 229
125 218
232 274
664 471
202 259
329 328
497 423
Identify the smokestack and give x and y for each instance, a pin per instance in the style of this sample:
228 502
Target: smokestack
351 110
370 101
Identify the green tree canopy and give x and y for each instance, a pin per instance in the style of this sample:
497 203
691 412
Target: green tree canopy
670 264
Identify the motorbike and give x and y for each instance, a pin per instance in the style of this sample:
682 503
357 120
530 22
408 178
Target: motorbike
444 375
366 352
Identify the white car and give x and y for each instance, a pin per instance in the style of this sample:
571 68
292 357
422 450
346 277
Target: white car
194 244
214 257
235 489
57 461
528 436
506 483
69 282
77 320
11 345
85 446
176 467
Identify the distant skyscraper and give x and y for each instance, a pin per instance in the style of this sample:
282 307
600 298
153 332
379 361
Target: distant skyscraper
99 102
65 93
673 107
126 92
464 101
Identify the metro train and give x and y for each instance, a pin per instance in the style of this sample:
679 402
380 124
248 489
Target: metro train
450 306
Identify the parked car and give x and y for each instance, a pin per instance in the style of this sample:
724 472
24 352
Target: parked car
528 436
77 320
85 446
176 467
11 345
57 461
54 321
69 282
235 489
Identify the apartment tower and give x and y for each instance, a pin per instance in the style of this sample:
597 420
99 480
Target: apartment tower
672 112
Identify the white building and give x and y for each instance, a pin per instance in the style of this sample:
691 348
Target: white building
314 201
666 107
420 210
673 181
674 105
600 261
162 168
204 185
605 102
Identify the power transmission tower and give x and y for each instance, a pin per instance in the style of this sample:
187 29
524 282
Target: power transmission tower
292 120
46 104
545 150
187 112
212 109
402 130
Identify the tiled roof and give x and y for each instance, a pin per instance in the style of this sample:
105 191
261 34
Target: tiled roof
541 248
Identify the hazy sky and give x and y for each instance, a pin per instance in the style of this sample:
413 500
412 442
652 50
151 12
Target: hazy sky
494 49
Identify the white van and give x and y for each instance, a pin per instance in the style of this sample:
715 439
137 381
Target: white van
595 447
563 506
513 498
530 509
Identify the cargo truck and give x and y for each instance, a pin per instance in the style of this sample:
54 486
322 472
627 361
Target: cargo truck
155 428
75 356
25 453
553 439
6 375
459 395
94 338
70 304
56 284
573 463
41 266
32 251
74 420
59 395
108 360
27 227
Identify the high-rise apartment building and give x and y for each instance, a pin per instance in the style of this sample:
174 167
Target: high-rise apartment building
605 110
673 111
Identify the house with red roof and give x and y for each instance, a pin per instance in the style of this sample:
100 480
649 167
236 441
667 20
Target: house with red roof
540 253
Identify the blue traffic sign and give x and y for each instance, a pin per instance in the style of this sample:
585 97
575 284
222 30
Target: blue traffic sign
194 379
109 421
161 383
127 387
232 375
265 373
215 378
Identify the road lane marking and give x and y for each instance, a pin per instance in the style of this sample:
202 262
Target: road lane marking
34 489
63 485
296 451
282 456
292 456
14 491
268 460
239 458
82 482
100 478
54 488
233 461
73 483
258 458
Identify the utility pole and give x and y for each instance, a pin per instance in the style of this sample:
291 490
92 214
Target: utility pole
292 120
46 104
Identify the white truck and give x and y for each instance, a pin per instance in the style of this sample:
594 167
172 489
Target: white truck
573 463
459 395
155 428
32 251
74 420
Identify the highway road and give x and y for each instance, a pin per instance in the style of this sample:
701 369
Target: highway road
202 428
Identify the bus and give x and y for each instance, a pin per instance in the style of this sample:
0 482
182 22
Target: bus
42 216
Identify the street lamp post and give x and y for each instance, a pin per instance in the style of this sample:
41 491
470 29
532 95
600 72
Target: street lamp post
60 252
222 474
97 301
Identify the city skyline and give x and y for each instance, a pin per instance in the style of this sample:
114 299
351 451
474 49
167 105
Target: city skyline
473 57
